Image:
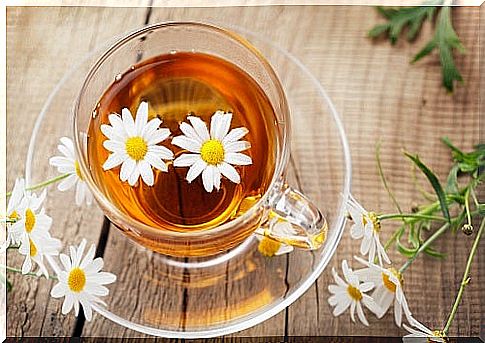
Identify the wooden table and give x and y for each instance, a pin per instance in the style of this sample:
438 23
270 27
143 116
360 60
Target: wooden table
379 94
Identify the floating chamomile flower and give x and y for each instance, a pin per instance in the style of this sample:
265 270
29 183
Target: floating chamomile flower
69 164
351 293
367 226
388 283
133 144
212 153
82 281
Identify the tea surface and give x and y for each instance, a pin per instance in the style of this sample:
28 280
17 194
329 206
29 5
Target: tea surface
175 86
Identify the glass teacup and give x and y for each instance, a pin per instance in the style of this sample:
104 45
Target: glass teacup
303 224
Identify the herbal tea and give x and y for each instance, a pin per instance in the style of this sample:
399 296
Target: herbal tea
185 91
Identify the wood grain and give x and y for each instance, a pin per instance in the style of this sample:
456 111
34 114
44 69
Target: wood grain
42 45
381 97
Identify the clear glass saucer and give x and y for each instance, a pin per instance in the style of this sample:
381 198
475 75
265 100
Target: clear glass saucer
193 298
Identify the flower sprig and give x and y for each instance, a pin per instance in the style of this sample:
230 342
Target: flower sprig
454 205
28 231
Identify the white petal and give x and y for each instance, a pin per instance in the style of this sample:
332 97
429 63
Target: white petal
66 261
146 172
384 302
229 171
189 131
117 124
158 136
348 274
195 170
65 151
186 160
342 306
338 279
186 143
80 252
335 289
224 125
161 152
365 245
237 146
67 305
96 289
88 312
156 162
59 290
79 194
27 265
397 314
111 133
113 161
89 257
95 266
114 146
372 252
128 122
89 196
132 180
151 127
215 123
59 161
68 144
67 183
366 286
371 304
238 159
141 117
208 178
127 169
357 231
353 304
200 127
105 278
361 315
234 135
216 174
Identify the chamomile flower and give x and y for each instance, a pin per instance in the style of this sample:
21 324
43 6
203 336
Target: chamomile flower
13 209
388 287
367 227
69 164
134 145
351 293
422 334
212 153
35 246
82 281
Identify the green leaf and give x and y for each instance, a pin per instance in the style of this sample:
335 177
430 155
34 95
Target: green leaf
400 18
452 180
434 183
445 40
431 252
481 209
404 250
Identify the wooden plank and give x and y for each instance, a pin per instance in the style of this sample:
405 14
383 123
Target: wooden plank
43 44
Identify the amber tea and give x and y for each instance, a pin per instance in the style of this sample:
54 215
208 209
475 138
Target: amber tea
190 88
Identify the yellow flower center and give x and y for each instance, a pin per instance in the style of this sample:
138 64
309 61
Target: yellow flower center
136 148
391 286
78 170
437 333
268 247
14 215
354 293
76 280
212 152
29 220
33 248
376 224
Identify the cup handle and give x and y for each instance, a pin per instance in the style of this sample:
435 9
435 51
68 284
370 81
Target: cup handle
294 220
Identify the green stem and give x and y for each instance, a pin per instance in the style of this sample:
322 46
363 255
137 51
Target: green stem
45 183
15 270
467 206
425 245
410 216
383 178
393 237
465 280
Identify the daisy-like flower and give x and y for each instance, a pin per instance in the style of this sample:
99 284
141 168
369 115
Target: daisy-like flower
69 164
35 247
82 281
13 210
212 153
388 287
351 293
133 144
367 226
422 334
32 232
